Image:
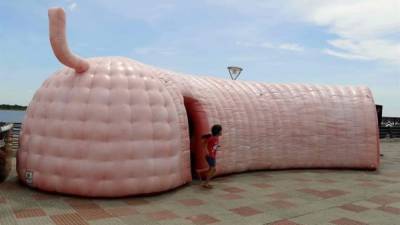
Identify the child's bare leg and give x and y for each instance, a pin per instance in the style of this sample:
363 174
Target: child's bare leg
213 172
203 181
210 174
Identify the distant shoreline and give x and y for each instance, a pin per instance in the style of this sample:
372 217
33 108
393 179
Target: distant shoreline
13 107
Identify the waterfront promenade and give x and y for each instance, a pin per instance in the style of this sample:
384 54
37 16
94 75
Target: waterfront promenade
288 197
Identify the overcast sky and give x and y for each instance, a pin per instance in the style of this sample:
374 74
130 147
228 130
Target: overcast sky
354 42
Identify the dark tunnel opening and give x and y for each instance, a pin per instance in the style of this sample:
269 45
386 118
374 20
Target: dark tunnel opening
197 127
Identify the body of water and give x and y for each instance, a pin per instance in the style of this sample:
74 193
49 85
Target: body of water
11 116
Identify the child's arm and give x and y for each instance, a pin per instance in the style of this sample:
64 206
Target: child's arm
205 146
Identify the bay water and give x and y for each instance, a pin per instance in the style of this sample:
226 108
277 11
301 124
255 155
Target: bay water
11 116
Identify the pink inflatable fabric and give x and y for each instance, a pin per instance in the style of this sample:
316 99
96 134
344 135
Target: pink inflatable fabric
112 126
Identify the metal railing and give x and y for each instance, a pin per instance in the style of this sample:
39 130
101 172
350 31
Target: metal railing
390 127
15 136
5 150
390 122
389 132
13 131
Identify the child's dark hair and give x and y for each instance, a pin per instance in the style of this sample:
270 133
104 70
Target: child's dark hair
216 129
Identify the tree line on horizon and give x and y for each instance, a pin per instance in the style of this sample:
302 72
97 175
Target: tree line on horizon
12 107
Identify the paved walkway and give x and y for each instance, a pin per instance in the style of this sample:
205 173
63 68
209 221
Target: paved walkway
289 197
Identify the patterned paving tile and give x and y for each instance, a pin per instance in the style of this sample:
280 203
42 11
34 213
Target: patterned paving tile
122 211
327 181
110 221
301 179
278 195
363 179
346 221
89 210
388 181
40 196
136 201
283 222
8 218
87 205
309 191
68 219
139 219
353 208
77 201
389 209
299 200
392 174
262 175
110 203
162 215
42 220
55 206
384 199
10 186
282 204
230 196
324 194
263 185
233 189
93 214
191 202
29 212
332 193
248 198
367 204
245 211
225 179
369 184
202 219
397 205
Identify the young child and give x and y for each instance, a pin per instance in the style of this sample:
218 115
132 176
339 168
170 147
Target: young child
211 145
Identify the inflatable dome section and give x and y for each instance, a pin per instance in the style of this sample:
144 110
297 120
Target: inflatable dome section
112 126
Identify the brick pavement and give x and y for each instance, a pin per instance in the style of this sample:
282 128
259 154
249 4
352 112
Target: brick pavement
287 197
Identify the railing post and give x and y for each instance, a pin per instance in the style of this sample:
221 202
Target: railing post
5 156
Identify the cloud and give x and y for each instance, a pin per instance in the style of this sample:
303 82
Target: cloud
283 46
72 6
365 30
374 49
291 47
354 19
344 55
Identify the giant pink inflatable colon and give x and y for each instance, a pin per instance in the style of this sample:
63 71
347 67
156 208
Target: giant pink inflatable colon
114 127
